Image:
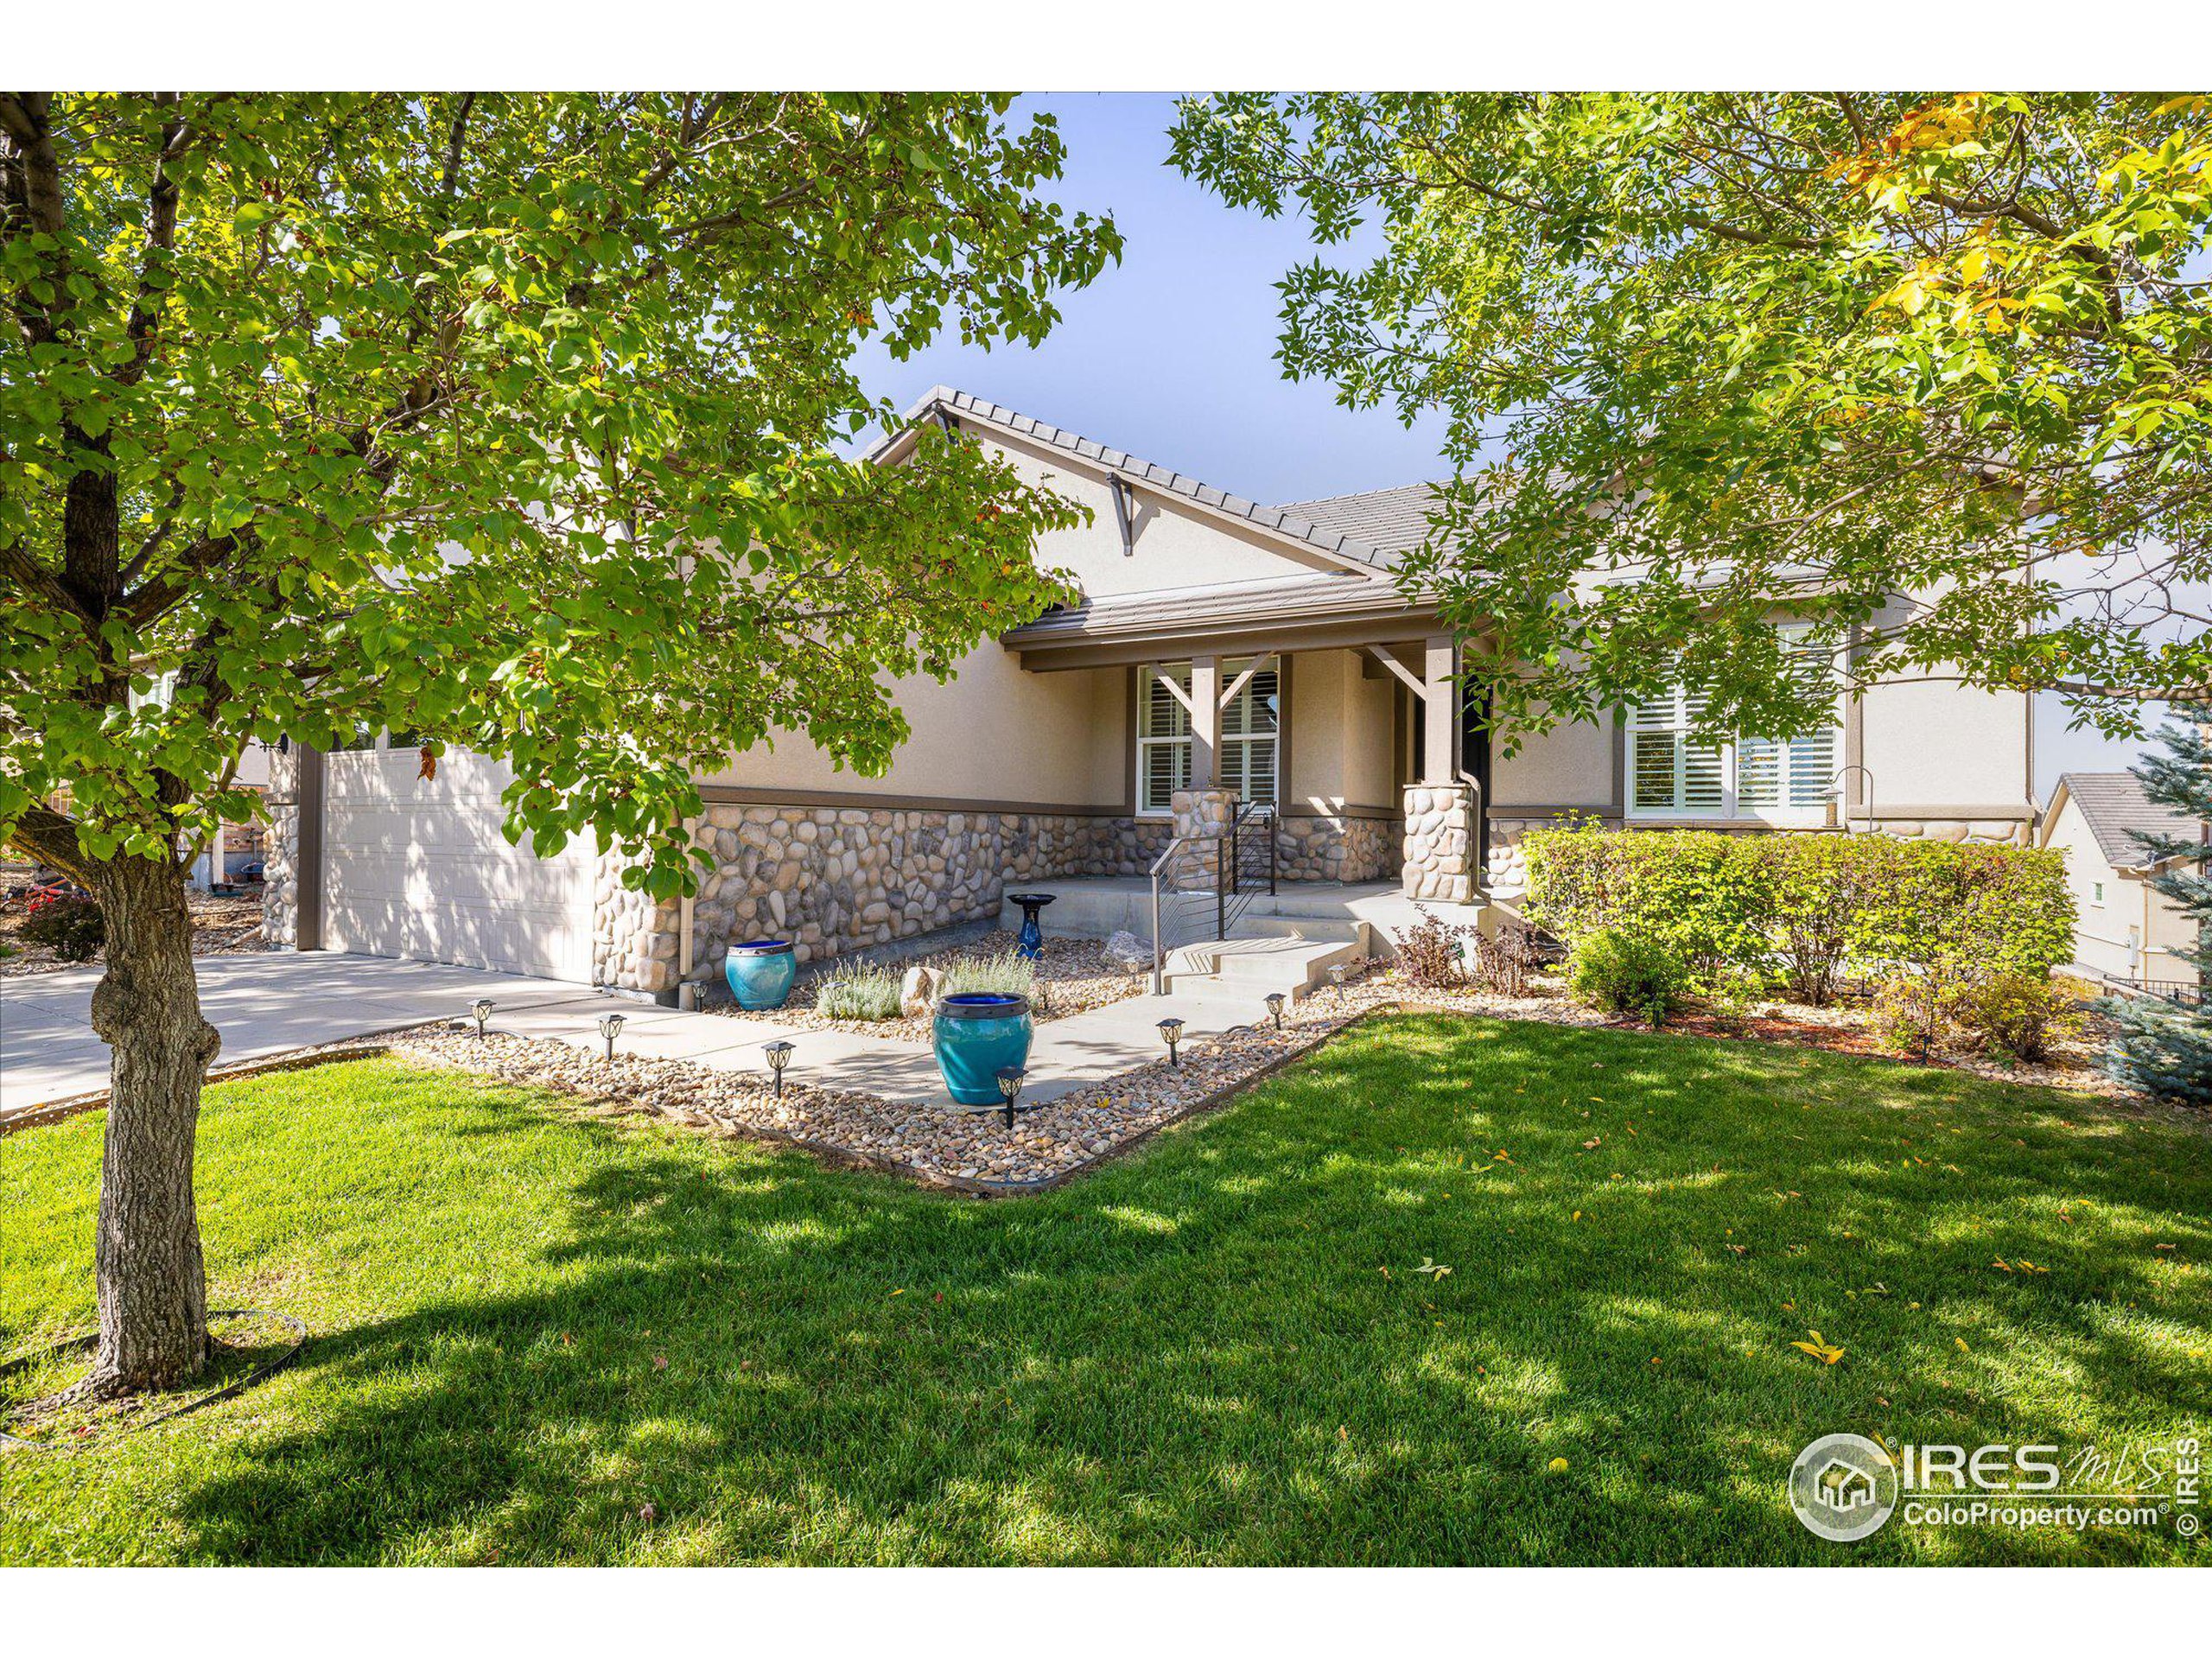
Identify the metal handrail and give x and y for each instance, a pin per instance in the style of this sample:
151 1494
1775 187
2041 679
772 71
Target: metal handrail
1163 869
1231 893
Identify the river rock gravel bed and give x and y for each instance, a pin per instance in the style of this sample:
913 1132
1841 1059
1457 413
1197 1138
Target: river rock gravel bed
969 1150
1076 975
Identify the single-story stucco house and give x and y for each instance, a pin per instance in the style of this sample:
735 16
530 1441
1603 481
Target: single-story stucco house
2124 929
1231 666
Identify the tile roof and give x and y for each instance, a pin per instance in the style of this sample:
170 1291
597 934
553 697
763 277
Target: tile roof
2115 807
1311 599
1296 525
1392 521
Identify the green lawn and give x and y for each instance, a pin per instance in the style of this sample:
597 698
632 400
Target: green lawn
1194 1356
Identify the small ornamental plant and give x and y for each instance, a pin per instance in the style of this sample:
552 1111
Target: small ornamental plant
73 928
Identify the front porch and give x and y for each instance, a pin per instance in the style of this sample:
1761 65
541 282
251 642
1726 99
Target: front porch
1319 717
1285 941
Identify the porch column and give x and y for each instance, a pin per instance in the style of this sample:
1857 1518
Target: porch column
1442 861
1440 757
1205 721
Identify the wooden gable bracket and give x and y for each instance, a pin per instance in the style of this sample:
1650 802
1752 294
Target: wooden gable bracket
1124 512
1258 662
1190 707
1414 682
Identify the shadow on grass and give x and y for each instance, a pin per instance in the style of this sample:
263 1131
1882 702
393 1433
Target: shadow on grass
1225 1349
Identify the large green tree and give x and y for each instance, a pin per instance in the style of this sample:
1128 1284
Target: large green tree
1702 353
505 419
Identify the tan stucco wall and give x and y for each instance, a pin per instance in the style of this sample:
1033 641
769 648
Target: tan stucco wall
997 733
1571 765
1932 743
1176 544
2101 930
993 733
1340 726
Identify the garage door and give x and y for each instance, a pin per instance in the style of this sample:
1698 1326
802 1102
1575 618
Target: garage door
416 867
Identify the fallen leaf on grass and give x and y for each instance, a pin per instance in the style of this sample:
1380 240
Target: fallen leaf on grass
1820 1348
1434 1270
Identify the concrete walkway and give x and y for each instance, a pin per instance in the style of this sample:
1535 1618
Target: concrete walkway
262 1004
270 1004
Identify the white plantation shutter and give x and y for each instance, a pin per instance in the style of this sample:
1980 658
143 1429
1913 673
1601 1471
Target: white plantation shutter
1771 772
1250 735
1249 762
1669 772
1163 739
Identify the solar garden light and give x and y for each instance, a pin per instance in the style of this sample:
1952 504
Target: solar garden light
779 1055
1010 1078
1337 973
1172 1030
1274 1008
481 1009
610 1027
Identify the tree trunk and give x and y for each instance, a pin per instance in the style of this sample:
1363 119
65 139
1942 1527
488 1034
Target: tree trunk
153 1291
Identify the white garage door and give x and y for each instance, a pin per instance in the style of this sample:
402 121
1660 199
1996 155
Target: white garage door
417 868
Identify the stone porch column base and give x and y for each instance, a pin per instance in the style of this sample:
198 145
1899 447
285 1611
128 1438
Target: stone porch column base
1441 849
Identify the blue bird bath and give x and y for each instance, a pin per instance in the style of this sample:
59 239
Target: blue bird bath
760 972
974 1035
1032 942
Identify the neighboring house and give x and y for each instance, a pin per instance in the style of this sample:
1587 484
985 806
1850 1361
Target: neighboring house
2124 928
1225 657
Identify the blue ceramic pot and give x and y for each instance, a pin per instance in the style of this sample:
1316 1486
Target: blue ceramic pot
976 1036
760 972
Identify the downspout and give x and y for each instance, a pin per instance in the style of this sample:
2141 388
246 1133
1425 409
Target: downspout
687 991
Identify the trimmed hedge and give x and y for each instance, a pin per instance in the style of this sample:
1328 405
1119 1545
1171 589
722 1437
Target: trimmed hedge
1805 907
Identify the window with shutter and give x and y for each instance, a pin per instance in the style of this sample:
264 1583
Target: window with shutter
1163 739
1786 781
1250 728
1250 736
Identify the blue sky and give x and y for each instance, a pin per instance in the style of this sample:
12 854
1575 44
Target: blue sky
1171 355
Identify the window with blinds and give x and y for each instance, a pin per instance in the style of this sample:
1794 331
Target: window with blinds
1675 771
1249 733
1163 738
1250 730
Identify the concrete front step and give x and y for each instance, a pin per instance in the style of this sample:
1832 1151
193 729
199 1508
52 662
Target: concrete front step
1250 967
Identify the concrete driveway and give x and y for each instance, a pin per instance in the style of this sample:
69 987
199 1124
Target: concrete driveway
262 1004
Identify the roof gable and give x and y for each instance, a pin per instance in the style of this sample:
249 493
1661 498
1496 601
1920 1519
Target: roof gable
1292 526
2114 806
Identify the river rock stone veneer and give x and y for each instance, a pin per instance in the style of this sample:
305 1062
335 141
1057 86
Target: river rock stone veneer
1440 844
837 878
834 880
1336 849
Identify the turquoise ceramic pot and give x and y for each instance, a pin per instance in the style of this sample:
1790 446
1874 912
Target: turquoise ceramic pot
760 972
976 1036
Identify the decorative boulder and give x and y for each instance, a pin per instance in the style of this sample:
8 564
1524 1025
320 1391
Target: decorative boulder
917 994
1128 952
